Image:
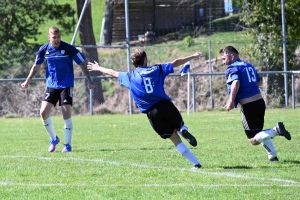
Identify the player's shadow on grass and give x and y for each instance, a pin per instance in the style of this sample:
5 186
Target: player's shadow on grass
237 167
292 161
131 149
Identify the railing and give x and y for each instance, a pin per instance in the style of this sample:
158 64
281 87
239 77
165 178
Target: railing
193 85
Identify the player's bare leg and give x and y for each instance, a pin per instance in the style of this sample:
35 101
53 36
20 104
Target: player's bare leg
47 121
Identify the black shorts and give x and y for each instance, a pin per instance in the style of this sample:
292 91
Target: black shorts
253 115
64 96
164 118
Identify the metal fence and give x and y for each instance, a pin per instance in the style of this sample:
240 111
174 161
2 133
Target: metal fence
206 90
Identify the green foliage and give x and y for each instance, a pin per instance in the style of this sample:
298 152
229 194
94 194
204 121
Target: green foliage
107 88
189 41
20 21
15 58
224 24
263 19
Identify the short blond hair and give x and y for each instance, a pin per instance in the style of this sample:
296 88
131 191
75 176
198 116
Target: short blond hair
54 30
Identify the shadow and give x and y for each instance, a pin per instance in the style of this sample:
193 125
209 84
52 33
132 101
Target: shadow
127 149
237 167
291 161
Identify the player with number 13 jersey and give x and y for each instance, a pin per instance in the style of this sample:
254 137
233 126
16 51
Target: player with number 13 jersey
248 77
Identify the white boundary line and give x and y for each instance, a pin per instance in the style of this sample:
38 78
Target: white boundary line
286 183
139 185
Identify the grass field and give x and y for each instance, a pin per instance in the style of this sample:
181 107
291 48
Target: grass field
120 157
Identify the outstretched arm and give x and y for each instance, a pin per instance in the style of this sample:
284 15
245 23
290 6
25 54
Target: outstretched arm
87 74
95 67
34 69
180 61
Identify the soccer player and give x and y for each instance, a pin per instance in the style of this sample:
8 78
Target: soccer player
59 83
146 84
243 88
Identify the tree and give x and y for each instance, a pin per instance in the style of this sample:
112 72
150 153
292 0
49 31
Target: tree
20 20
108 23
263 20
87 37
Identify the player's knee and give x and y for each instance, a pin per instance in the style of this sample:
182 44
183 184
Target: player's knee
253 141
44 115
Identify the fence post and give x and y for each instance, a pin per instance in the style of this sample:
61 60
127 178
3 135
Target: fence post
128 50
210 77
91 102
293 90
284 52
193 93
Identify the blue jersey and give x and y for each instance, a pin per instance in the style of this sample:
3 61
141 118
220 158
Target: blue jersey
147 84
59 71
248 77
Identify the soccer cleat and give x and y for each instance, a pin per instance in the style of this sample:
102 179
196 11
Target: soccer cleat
275 159
279 128
67 148
189 137
196 167
53 144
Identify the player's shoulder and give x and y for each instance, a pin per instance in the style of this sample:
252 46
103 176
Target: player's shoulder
44 46
156 66
162 66
66 45
231 68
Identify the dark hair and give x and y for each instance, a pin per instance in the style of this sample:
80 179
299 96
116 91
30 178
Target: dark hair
137 57
229 49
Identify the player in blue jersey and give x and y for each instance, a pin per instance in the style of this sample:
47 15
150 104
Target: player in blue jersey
243 88
146 84
59 83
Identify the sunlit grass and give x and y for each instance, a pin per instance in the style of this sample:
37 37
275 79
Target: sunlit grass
121 157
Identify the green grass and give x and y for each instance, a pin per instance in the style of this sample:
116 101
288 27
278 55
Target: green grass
121 157
98 8
164 52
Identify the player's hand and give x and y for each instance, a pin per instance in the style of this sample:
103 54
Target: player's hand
93 66
25 84
198 54
229 106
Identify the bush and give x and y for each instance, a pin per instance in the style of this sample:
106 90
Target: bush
189 41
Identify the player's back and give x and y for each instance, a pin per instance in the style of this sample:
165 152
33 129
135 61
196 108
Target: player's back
148 82
248 78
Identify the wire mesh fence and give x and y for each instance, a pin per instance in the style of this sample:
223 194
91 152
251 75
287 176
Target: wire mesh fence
206 88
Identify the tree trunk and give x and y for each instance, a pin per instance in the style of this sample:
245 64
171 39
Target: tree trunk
107 32
87 37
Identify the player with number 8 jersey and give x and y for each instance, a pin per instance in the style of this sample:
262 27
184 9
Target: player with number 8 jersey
146 84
